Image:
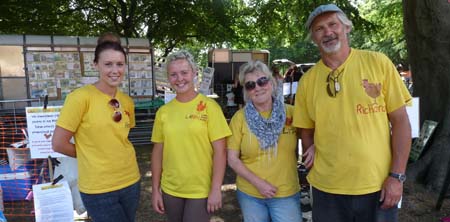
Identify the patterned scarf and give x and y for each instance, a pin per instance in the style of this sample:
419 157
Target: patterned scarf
266 130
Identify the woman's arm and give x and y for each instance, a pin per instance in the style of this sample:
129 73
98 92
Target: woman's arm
156 167
265 189
61 142
219 165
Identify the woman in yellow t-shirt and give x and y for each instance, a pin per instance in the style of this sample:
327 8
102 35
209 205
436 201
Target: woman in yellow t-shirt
99 117
189 151
262 150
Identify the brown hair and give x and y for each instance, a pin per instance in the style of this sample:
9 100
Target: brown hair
108 37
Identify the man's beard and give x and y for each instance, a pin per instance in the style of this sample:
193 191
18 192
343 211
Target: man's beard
329 49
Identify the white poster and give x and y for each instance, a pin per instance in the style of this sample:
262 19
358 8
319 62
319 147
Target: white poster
207 76
41 124
53 203
413 114
168 96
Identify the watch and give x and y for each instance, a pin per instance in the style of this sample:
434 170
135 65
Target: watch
398 176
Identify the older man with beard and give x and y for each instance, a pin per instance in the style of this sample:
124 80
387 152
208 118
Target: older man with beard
351 106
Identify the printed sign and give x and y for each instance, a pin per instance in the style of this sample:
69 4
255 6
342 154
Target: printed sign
41 124
53 203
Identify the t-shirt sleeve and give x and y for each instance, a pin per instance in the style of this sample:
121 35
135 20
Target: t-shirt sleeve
157 131
132 114
72 112
217 124
236 124
397 95
301 117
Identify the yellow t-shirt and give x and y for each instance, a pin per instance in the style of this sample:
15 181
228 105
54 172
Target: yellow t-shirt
276 166
187 131
106 158
352 131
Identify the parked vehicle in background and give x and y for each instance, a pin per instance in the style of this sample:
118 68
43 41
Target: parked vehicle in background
292 73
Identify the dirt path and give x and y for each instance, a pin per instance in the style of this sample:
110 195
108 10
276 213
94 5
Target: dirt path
418 203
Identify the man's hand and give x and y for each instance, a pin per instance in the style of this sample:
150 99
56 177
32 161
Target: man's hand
309 157
391 192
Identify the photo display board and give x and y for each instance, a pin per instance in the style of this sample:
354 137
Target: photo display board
51 70
56 74
140 72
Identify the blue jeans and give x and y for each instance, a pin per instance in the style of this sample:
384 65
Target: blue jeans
118 206
270 210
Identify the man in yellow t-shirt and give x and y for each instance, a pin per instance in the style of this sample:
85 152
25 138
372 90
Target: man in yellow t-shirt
351 106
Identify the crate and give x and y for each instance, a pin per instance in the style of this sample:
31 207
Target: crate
16 184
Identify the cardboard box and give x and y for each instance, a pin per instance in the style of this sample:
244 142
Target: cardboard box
15 184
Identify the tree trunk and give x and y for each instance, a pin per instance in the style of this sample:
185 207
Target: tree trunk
427 28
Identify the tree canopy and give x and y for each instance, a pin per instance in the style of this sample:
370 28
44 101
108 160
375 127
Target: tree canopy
276 25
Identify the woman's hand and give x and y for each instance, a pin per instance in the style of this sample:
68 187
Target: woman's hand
214 200
266 189
157 202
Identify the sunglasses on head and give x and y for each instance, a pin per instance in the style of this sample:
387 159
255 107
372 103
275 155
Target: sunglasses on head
250 85
117 115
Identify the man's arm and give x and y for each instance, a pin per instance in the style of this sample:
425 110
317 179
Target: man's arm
400 145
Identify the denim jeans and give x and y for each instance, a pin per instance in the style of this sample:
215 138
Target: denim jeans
118 206
270 210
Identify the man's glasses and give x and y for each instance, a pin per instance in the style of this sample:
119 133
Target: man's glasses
250 85
333 85
117 115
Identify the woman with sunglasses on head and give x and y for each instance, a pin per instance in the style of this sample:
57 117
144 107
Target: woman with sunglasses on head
189 151
99 117
262 150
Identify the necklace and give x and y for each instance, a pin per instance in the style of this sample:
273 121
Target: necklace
333 85
337 85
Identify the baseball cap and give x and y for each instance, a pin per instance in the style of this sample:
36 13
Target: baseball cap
320 10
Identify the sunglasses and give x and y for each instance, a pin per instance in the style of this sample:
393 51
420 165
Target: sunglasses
117 115
333 85
250 85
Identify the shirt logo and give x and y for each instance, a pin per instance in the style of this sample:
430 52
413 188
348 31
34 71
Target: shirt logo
288 121
373 90
201 106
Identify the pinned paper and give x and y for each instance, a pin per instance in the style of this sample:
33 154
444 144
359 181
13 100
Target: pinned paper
53 203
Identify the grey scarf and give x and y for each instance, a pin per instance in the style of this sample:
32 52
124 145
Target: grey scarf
266 130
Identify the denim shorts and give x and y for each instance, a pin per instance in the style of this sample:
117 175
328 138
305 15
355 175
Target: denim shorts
270 210
118 206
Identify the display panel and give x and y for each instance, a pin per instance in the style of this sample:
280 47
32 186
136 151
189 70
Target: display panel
11 61
140 72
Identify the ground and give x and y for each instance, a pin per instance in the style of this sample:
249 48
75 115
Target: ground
418 203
